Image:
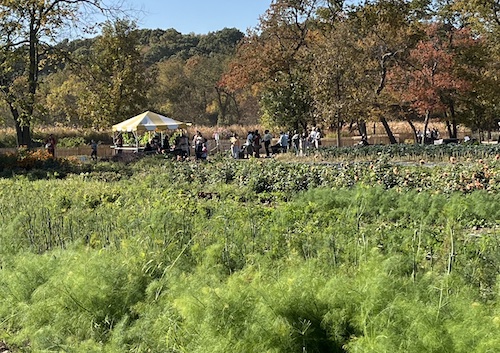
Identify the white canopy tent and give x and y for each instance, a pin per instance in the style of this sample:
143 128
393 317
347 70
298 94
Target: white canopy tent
149 121
146 122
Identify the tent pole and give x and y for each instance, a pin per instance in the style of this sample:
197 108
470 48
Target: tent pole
136 140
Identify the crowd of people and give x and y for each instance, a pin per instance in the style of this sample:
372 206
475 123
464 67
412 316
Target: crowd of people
252 145
295 142
178 145
430 135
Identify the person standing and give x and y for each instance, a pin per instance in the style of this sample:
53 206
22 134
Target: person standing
235 146
166 144
420 136
304 144
204 150
249 145
283 142
267 142
50 144
198 141
217 141
184 146
93 153
296 142
315 137
256 144
119 143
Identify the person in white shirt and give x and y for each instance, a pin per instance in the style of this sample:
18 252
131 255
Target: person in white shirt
315 137
235 146
304 144
249 145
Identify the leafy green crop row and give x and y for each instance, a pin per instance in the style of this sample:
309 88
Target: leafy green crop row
272 178
412 152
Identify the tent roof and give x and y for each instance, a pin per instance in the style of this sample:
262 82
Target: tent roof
149 121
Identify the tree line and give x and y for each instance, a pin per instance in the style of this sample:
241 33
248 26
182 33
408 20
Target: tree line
332 64
325 63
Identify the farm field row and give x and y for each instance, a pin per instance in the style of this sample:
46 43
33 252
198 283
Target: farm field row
260 255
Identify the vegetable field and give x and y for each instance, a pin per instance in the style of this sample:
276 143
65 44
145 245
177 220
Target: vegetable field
365 255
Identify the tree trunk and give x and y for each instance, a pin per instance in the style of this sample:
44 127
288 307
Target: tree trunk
362 127
449 128
392 139
223 102
426 126
412 126
339 130
339 144
23 132
236 108
383 76
453 130
23 136
351 125
23 128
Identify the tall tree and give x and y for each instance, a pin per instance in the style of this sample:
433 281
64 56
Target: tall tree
189 90
59 96
28 28
171 91
385 31
335 85
483 17
479 106
114 75
274 62
430 76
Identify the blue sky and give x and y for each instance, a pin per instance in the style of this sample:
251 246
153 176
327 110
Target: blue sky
199 16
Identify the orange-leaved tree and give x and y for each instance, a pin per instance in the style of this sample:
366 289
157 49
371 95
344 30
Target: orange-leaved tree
429 75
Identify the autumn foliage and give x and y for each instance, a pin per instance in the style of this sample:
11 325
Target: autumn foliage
430 74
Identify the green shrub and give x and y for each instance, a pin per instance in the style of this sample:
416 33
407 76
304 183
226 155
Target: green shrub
71 141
